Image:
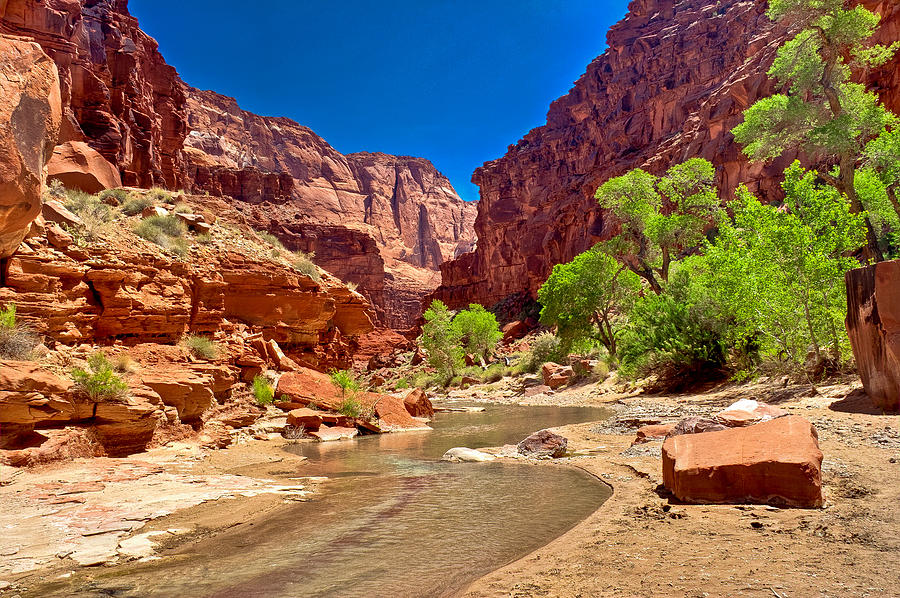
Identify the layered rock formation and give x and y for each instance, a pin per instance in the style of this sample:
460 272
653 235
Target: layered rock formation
121 288
118 93
673 83
873 323
30 114
383 222
121 98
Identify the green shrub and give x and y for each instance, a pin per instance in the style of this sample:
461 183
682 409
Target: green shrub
121 195
8 316
56 190
201 347
17 341
134 205
601 370
351 407
546 347
160 195
166 231
99 382
494 373
442 341
344 380
402 384
271 239
182 208
263 391
303 262
95 216
478 330
204 238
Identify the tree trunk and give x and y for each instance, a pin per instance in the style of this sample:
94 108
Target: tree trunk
846 186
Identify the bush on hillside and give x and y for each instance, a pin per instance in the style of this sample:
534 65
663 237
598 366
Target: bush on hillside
99 382
17 341
201 347
263 391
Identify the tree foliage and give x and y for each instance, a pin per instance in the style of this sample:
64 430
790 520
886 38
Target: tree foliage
587 299
441 340
778 271
661 218
477 329
822 112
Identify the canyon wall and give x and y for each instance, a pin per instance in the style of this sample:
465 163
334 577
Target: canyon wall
383 222
123 100
118 93
674 81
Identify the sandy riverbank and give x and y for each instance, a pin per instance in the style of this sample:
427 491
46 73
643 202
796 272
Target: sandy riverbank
639 543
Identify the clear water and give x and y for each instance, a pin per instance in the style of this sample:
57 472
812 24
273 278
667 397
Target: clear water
392 521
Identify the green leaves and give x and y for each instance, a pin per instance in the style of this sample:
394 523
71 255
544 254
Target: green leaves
99 381
778 272
441 340
477 329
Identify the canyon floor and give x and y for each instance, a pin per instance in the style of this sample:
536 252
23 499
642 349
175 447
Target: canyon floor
638 543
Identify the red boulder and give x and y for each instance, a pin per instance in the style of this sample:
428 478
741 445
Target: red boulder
778 461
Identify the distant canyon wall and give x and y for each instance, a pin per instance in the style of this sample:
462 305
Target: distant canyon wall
121 98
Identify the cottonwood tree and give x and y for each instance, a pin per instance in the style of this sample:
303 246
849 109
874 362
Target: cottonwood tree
441 340
779 272
587 299
661 218
478 330
822 112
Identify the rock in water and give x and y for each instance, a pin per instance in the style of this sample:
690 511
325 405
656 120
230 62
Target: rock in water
778 461
466 455
30 115
873 322
544 444
418 404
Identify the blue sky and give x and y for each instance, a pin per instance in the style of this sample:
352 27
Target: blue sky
454 81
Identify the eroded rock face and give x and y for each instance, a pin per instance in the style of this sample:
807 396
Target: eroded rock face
873 323
776 461
30 113
383 222
118 94
78 166
673 83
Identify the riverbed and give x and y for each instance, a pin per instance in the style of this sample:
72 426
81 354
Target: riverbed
392 519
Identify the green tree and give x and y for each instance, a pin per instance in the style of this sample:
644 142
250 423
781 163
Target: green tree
478 330
441 340
661 218
587 299
779 271
822 113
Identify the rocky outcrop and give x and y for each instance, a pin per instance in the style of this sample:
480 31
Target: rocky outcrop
118 94
379 221
125 289
77 165
673 83
778 461
30 114
873 323
32 398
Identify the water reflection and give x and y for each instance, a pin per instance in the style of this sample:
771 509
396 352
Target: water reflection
393 520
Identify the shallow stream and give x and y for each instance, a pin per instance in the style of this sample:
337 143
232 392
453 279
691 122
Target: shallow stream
393 520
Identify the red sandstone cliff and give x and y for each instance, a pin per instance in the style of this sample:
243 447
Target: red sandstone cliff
383 222
673 83
121 98
118 93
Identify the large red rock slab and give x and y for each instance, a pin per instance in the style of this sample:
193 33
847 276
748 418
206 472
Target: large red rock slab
30 116
188 391
307 418
873 323
305 386
747 412
418 404
778 461
79 166
556 375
